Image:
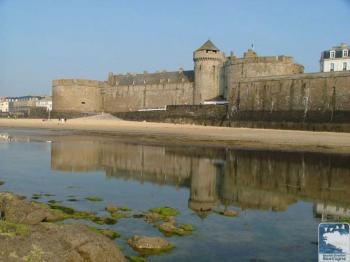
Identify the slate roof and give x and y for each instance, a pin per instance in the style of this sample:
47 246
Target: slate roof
338 52
155 78
208 46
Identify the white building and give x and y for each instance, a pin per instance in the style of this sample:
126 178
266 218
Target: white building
336 59
46 102
5 106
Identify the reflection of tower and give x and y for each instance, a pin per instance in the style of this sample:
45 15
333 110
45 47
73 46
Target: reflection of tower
203 186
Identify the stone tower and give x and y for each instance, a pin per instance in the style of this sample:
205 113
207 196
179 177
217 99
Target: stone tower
208 63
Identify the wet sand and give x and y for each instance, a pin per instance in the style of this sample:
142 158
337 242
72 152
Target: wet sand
257 139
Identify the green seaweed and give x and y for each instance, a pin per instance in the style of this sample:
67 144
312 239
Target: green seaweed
165 211
136 259
52 201
11 229
72 200
187 227
104 220
68 212
118 215
48 195
36 196
2 183
125 208
94 198
183 230
111 234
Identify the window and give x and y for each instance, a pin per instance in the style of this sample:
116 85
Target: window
345 66
332 67
345 52
332 54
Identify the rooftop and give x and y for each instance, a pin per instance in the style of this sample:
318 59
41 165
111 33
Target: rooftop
208 46
155 78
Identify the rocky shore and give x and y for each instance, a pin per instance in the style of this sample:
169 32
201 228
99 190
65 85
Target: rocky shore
28 234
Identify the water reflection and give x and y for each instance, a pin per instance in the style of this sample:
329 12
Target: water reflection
248 179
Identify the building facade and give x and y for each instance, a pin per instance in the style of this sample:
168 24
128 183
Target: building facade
24 104
45 102
336 59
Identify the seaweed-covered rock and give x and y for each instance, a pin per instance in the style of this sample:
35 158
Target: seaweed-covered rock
145 244
24 236
16 210
170 228
51 242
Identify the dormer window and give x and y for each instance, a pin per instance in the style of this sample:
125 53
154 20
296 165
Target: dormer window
345 53
332 54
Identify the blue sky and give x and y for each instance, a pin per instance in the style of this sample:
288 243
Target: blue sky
41 40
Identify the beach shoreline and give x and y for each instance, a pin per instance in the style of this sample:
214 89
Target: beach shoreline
165 133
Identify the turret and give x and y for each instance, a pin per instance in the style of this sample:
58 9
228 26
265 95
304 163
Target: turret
208 62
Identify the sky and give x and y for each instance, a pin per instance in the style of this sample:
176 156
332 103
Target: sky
42 40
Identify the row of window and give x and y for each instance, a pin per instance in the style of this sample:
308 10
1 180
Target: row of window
345 53
345 66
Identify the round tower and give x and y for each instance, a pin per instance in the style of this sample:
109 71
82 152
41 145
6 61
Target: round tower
208 62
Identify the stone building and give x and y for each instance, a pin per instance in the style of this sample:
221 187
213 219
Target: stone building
257 88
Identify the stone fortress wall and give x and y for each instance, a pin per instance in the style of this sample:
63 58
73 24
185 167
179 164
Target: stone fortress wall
270 89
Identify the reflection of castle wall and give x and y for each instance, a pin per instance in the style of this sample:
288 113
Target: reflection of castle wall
263 179
75 156
150 163
249 179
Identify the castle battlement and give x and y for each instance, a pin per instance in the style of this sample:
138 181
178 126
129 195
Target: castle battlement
78 82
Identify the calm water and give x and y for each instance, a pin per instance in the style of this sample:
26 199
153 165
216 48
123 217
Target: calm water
281 197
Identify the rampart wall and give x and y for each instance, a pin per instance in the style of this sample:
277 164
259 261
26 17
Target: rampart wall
316 98
134 97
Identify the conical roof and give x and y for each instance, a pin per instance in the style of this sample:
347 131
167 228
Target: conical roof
208 46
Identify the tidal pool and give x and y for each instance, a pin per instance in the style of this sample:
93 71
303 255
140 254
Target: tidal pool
281 197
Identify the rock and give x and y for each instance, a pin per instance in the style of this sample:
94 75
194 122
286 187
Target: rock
25 237
171 220
152 217
111 208
15 209
51 242
145 244
170 228
167 227
230 213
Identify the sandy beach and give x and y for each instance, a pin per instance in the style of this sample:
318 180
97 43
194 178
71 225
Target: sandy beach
262 139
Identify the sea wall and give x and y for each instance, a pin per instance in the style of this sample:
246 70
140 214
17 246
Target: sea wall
181 114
